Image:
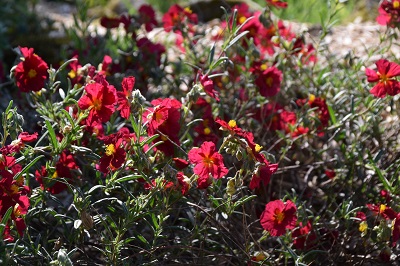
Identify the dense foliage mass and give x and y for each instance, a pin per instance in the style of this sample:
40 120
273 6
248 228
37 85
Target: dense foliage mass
168 141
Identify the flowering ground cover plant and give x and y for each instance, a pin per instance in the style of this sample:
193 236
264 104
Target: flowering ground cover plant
166 141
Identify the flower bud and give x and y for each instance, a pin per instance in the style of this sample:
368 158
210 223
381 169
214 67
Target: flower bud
87 220
230 188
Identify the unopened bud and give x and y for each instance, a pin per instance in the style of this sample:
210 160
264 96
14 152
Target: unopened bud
230 188
87 220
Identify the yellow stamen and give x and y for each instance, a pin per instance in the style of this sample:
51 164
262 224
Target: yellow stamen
55 175
14 189
279 217
232 123
72 74
242 19
207 131
258 148
110 149
96 104
269 81
32 73
311 98
396 4
263 67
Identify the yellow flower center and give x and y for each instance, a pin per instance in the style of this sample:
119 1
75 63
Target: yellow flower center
72 74
187 9
269 81
279 216
32 73
242 19
311 98
96 104
257 148
158 116
110 149
232 123
396 4
14 189
55 175
383 78
263 67
382 208
207 130
208 161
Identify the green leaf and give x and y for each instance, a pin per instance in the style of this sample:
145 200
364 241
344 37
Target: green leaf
237 38
5 219
211 55
52 134
27 167
128 178
332 114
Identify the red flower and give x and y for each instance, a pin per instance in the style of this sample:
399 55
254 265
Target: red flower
307 52
150 51
208 86
176 16
18 144
389 13
299 131
321 112
303 237
330 173
124 97
382 209
180 163
147 16
396 230
164 119
183 183
386 195
230 126
13 194
207 130
269 81
277 3
242 13
387 84
31 73
361 216
100 99
263 175
279 216
64 166
208 162
113 158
